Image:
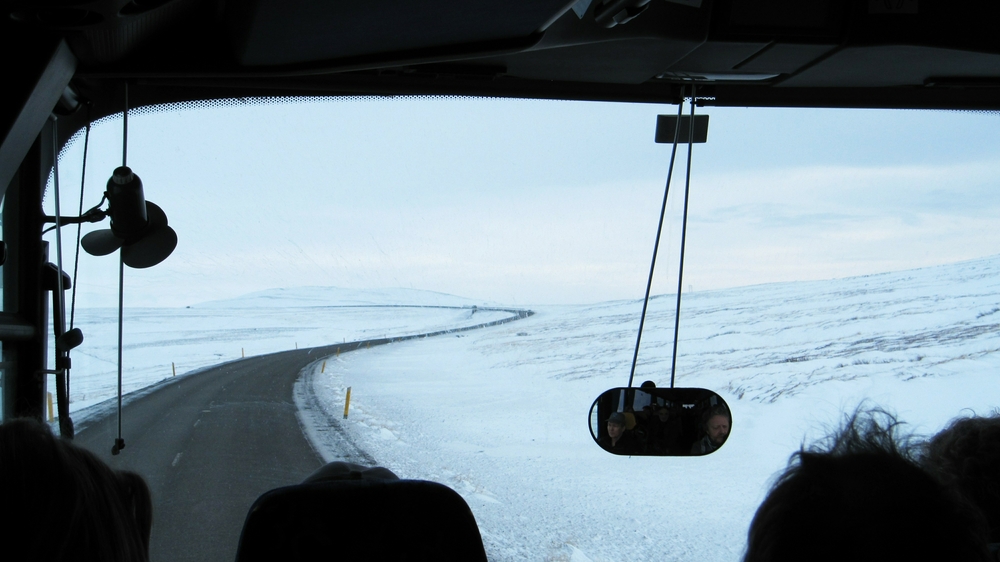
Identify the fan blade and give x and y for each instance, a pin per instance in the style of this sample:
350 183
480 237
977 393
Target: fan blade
101 242
156 244
155 215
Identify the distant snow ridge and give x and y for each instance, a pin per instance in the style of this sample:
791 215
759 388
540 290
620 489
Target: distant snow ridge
166 342
758 343
764 342
770 341
337 296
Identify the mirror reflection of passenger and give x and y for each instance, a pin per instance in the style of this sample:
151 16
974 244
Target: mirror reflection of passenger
619 439
716 432
664 431
643 400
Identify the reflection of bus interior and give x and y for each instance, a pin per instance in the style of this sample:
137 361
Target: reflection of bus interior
662 422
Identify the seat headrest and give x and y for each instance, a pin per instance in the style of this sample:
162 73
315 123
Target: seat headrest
360 520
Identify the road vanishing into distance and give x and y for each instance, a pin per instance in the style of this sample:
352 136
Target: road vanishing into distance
212 442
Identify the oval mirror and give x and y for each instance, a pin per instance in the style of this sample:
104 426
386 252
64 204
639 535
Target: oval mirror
660 422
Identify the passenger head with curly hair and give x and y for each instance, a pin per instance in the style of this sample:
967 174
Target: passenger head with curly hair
861 495
966 456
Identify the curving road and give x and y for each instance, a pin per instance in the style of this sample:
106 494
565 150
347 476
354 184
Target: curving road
209 444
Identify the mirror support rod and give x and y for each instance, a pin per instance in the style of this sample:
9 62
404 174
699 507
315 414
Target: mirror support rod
656 245
684 223
663 124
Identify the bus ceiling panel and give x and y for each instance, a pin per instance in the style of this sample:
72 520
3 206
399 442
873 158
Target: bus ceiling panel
968 25
284 32
779 20
784 58
895 65
577 49
632 61
667 21
106 31
716 56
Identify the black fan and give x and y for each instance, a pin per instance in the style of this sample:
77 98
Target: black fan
138 227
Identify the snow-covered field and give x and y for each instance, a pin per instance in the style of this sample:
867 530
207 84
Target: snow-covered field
159 340
500 414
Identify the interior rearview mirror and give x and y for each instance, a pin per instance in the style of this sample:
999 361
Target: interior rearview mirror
660 422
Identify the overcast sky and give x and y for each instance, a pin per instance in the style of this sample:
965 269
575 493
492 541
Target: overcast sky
525 202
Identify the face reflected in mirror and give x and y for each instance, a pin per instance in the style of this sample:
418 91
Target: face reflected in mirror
615 430
666 422
718 428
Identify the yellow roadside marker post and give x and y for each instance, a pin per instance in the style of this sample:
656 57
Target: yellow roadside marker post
347 403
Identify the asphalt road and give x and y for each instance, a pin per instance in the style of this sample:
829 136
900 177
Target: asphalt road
210 443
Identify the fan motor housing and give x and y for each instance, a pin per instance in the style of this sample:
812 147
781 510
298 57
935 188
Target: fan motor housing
127 204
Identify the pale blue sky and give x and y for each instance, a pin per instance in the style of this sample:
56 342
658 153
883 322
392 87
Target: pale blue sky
536 201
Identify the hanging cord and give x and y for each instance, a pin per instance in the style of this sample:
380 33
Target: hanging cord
61 372
119 442
79 226
656 245
125 129
684 223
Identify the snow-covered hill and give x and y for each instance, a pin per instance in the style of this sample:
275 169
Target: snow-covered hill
501 414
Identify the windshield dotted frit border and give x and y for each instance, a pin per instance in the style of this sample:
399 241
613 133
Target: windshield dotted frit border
252 101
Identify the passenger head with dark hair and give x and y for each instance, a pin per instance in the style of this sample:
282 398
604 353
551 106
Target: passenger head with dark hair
337 471
966 456
716 425
63 503
860 495
619 439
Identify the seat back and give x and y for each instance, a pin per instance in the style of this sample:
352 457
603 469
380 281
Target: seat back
360 520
